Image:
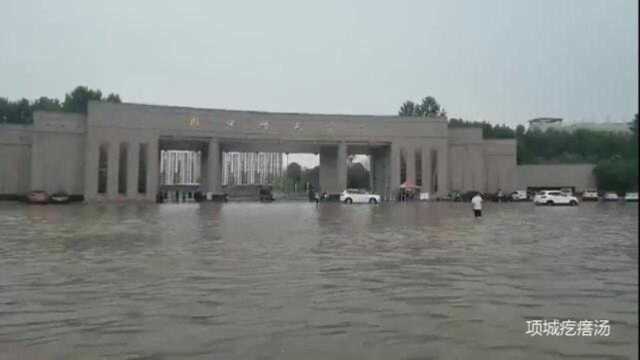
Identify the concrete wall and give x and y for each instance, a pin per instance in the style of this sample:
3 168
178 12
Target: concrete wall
57 152
479 164
500 165
465 159
112 138
48 155
579 176
249 125
467 167
15 153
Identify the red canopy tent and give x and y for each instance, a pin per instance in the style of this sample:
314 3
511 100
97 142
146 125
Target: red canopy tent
408 185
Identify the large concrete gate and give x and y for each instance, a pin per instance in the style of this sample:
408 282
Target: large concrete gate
128 138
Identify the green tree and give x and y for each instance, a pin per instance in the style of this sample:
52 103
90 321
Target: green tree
114 98
357 176
634 126
428 107
4 110
15 112
21 111
46 104
78 100
408 108
294 172
617 174
312 176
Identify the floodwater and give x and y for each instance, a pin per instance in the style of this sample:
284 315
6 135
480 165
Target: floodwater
300 281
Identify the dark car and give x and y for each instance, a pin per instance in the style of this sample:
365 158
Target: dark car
265 194
467 196
451 196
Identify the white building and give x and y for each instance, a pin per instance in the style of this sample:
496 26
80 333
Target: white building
545 123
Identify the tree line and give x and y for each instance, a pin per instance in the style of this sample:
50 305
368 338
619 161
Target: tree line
21 111
614 153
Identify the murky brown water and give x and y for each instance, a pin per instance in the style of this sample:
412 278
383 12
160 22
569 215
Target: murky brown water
296 281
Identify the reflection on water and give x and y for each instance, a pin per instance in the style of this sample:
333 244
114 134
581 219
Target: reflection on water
296 280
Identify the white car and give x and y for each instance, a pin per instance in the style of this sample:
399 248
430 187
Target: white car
519 195
554 197
589 195
610 196
631 196
358 196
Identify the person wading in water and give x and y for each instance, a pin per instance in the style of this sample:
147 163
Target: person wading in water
476 204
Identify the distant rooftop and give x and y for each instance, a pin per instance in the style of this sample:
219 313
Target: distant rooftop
545 120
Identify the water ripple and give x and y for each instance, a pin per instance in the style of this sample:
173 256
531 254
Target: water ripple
296 280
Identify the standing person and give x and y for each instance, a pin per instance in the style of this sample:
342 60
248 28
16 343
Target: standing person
311 194
500 195
476 204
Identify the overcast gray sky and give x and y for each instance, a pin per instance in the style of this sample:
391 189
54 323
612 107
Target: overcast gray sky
500 61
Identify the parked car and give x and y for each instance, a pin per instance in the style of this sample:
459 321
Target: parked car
631 196
519 195
610 196
451 196
467 196
60 197
265 194
38 197
554 197
358 196
590 195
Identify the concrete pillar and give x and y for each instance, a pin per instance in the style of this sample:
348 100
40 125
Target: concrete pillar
113 168
411 164
426 170
394 181
36 165
341 167
372 173
213 167
153 168
204 171
479 182
443 176
328 157
375 172
92 158
468 169
133 162
220 165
